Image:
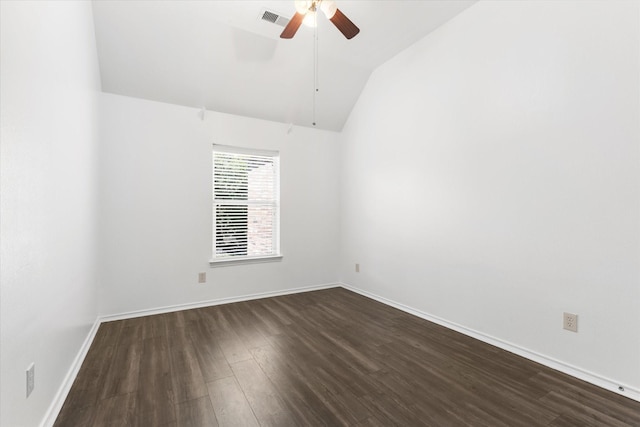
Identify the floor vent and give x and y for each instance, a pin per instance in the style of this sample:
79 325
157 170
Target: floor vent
274 18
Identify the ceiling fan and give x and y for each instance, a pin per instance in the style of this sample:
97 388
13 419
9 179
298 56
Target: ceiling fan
307 9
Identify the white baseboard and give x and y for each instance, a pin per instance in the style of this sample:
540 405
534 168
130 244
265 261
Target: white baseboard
209 303
56 405
595 379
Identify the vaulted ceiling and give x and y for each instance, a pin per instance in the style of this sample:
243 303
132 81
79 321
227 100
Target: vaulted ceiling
221 55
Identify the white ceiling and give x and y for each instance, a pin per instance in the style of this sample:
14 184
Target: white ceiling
220 55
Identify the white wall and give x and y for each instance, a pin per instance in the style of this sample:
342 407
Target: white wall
156 188
491 178
49 82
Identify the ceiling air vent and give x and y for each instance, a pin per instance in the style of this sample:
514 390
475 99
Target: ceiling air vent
274 18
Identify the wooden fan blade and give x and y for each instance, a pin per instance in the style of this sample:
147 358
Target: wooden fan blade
345 25
292 27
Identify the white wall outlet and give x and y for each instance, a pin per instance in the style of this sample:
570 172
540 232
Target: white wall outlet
202 277
31 378
570 322
357 268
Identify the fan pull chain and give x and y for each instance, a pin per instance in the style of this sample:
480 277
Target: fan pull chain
315 64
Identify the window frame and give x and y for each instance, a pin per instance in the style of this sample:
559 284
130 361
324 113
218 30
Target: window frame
276 255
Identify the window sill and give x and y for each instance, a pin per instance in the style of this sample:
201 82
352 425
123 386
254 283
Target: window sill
244 260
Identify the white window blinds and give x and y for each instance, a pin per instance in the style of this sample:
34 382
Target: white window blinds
245 203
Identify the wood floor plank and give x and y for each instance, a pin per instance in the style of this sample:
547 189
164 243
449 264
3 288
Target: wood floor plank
370 422
211 359
215 317
155 390
350 351
132 332
73 416
242 321
124 371
153 326
225 336
108 334
86 388
432 412
196 413
329 357
271 306
266 322
118 410
324 383
186 378
580 393
232 346
264 399
587 415
565 420
302 399
230 404
389 410
201 334
176 336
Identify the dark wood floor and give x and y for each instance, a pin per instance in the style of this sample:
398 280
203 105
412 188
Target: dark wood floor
328 357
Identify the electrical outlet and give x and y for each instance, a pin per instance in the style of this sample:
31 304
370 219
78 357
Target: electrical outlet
570 322
202 277
31 378
357 268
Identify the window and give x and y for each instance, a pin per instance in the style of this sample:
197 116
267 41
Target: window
246 205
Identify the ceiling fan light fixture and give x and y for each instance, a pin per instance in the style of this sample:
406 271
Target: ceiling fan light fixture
329 8
310 19
306 11
303 6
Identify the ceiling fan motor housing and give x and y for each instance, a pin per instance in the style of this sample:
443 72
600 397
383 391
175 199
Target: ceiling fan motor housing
328 7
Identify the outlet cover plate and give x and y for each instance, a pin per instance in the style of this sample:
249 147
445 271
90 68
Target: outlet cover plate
570 322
